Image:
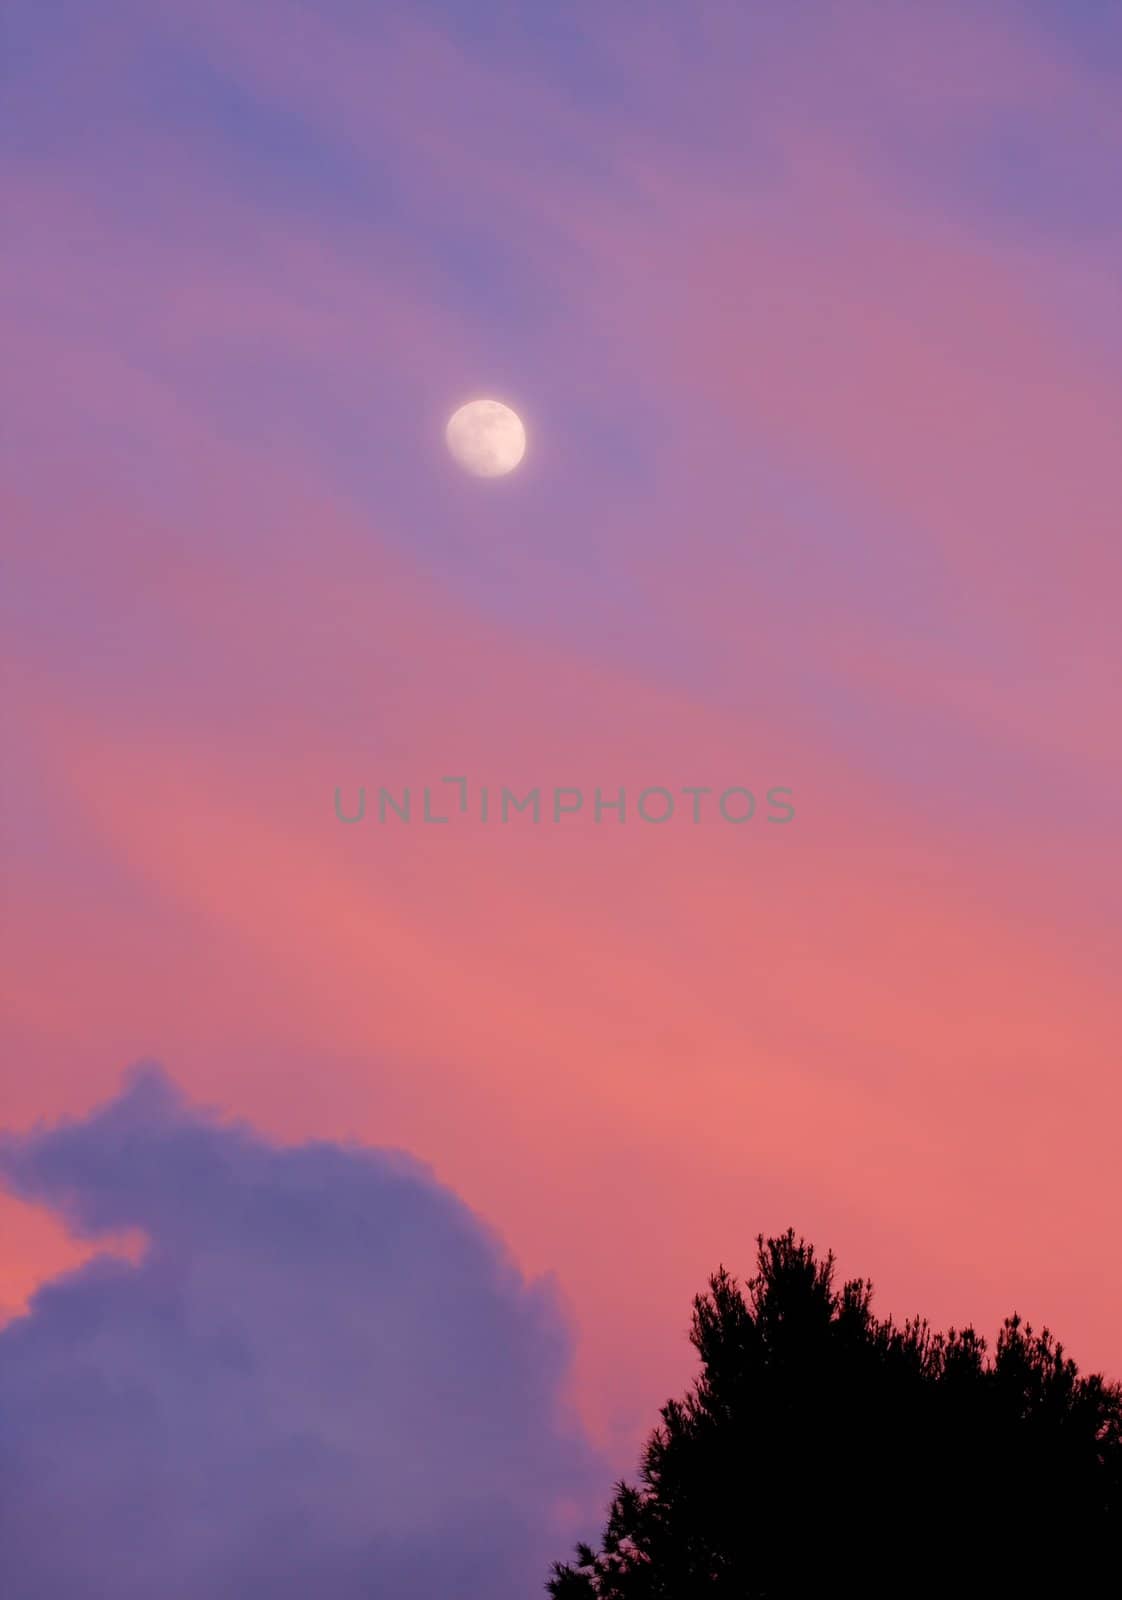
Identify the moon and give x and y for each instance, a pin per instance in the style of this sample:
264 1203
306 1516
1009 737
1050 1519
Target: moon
486 438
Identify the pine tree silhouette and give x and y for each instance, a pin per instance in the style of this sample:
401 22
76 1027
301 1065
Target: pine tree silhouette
822 1451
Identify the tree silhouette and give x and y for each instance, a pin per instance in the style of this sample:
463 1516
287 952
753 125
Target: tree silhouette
822 1451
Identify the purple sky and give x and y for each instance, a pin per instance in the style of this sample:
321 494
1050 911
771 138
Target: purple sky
812 314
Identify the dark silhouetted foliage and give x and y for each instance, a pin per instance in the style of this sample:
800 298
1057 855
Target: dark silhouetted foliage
822 1451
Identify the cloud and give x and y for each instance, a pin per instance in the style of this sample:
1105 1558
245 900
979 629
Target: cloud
324 1376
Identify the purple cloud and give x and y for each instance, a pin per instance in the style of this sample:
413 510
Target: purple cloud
324 1377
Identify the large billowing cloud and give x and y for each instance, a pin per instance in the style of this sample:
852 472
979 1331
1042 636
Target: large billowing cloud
323 1377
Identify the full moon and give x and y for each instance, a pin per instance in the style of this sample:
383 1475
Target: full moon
486 438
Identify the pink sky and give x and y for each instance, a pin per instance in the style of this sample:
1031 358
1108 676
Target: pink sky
816 334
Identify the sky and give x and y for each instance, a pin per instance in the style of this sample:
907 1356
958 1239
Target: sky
812 315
